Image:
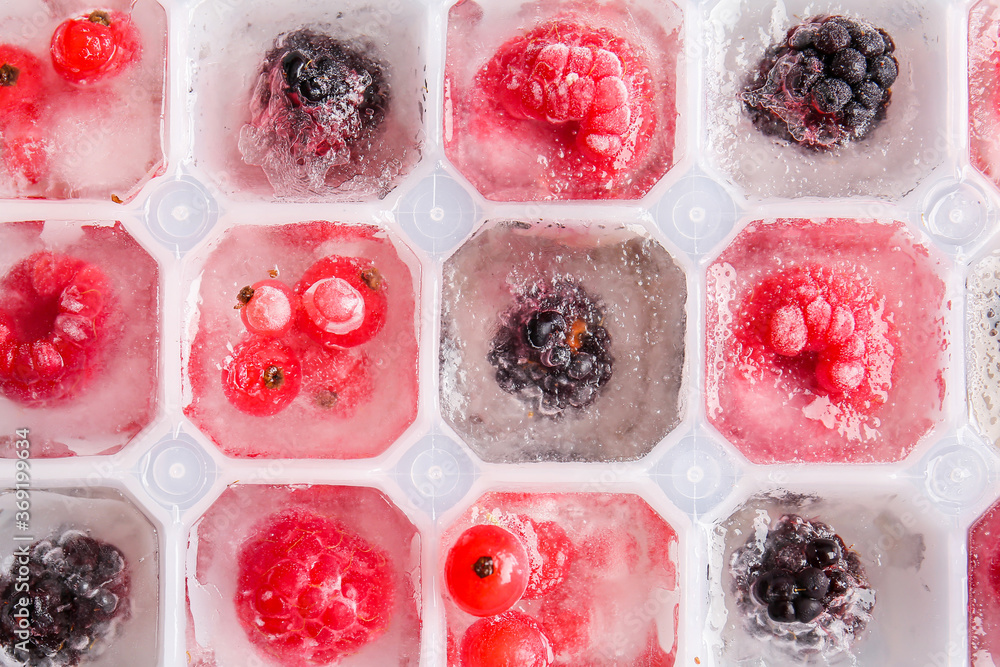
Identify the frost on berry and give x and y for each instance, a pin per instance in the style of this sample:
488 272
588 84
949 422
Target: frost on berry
803 587
316 104
310 591
58 319
826 85
586 78
78 588
829 325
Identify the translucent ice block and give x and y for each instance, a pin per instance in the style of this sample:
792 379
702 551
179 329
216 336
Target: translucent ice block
99 307
107 516
825 341
96 139
606 565
218 636
562 100
628 285
352 403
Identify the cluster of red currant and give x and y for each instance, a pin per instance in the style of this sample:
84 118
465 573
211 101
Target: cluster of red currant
305 340
85 51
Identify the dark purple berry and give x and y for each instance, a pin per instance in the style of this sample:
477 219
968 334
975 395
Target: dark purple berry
857 117
839 583
581 366
807 611
776 585
869 94
866 39
542 326
812 583
556 356
551 341
320 70
831 95
822 552
884 71
803 88
78 590
832 37
802 37
782 611
849 65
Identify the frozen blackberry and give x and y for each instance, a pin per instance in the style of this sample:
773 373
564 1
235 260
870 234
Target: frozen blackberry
317 104
322 71
803 587
552 350
826 85
78 590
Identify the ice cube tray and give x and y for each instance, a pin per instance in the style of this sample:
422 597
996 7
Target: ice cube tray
932 165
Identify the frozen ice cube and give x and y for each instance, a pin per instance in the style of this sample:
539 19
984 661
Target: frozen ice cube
603 584
98 308
562 101
603 384
825 341
218 636
339 399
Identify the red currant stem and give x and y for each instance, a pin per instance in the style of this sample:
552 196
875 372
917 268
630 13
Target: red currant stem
372 278
483 567
97 16
244 296
274 377
8 75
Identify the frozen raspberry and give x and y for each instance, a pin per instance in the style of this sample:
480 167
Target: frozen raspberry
310 591
826 85
261 377
335 382
512 638
316 101
343 301
21 84
486 570
552 348
586 80
267 308
96 46
803 587
58 317
830 322
78 589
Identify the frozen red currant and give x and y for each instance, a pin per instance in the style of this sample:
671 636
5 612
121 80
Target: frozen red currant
508 640
21 84
487 570
95 46
310 591
267 308
335 382
58 317
343 301
261 377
